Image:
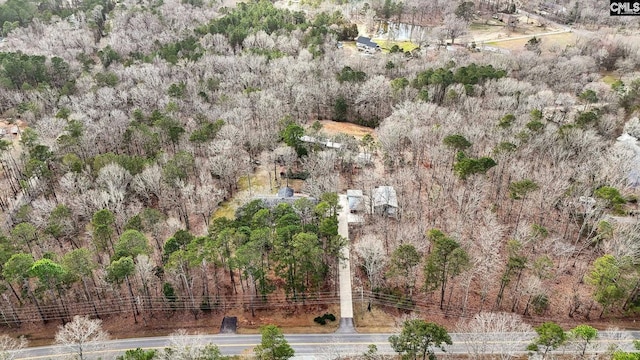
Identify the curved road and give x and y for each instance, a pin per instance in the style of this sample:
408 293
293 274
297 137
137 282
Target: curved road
313 346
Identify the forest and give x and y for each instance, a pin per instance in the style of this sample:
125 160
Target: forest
139 122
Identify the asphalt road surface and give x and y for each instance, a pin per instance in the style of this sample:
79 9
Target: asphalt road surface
326 346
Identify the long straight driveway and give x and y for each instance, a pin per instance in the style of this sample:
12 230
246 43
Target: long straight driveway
346 301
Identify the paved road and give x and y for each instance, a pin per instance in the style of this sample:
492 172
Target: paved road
322 346
304 345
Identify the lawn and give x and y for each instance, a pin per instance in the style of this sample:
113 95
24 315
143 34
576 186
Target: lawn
548 41
609 79
477 26
386 45
259 185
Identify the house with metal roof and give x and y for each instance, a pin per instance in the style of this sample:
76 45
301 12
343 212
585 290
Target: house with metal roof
355 198
364 43
385 201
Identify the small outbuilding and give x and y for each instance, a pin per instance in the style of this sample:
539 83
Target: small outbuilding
355 198
285 192
385 201
284 195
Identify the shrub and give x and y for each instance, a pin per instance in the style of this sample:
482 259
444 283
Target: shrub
322 320
329 317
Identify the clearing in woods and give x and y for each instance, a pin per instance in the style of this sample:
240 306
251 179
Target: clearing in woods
263 181
548 41
334 128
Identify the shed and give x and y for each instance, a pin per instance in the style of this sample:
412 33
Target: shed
285 192
385 201
355 198
284 195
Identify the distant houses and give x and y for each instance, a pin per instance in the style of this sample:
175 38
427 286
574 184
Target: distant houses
365 44
9 129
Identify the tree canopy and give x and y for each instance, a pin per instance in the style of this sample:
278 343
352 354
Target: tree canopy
418 340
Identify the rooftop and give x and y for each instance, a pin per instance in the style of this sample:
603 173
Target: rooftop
366 41
385 195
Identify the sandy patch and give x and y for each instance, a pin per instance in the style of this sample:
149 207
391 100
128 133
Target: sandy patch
334 128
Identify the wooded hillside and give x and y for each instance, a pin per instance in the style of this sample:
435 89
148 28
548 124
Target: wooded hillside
137 119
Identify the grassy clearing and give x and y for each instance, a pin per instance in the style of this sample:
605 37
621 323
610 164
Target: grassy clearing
386 45
349 44
372 321
314 329
548 41
475 26
609 79
259 185
226 209
299 323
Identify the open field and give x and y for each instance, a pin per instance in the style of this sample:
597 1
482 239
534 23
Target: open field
386 45
609 79
548 41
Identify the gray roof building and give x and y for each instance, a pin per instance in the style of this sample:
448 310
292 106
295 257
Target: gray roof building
355 198
365 43
385 201
284 195
285 192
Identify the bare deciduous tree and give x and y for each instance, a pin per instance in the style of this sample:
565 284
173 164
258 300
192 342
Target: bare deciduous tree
186 346
10 347
491 335
81 336
453 28
372 256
